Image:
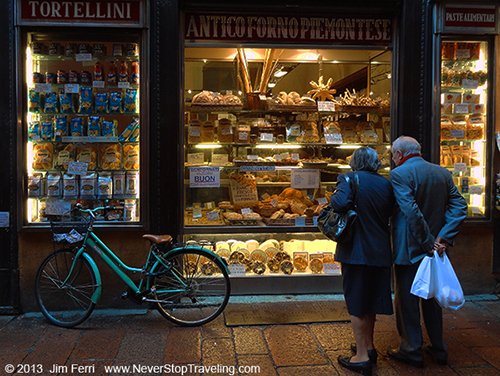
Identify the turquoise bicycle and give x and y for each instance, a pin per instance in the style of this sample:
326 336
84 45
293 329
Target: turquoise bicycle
188 284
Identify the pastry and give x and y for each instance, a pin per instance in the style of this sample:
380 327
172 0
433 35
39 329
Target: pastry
300 263
286 266
316 265
258 267
273 265
205 97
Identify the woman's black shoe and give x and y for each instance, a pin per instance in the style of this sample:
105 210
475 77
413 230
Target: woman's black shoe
365 368
372 353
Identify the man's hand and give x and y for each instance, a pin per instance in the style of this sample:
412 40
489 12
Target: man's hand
440 245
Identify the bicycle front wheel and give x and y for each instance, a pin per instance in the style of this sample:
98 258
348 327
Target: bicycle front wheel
65 301
195 290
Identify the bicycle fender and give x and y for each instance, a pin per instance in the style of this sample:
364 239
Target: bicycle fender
97 293
206 252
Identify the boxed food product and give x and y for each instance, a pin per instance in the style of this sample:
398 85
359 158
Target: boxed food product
35 185
452 98
88 186
118 184
225 131
42 156
70 186
243 133
110 157
132 184
207 132
104 185
194 132
470 98
130 210
54 184
477 108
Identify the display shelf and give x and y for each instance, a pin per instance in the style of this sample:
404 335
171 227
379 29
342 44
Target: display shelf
225 182
284 145
59 87
191 229
82 114
458 140
93 58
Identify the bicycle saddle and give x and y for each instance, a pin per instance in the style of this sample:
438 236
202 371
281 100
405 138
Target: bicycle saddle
158 239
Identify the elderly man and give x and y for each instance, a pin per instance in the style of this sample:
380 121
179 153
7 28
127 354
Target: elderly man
429 214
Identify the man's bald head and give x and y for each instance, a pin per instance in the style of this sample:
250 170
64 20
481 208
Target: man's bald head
406 145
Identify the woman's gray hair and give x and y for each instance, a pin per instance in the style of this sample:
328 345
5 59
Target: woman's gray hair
365 159
406 145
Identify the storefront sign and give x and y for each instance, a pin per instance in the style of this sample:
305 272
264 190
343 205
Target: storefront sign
473 19
340 29
243 190
125 12
204 177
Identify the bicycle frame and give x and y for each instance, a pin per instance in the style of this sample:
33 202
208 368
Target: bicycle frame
93 242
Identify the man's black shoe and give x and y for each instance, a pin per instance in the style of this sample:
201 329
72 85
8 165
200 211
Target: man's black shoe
365 368
439 357
400 357
372 353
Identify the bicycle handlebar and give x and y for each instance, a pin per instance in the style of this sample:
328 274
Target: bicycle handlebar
92 212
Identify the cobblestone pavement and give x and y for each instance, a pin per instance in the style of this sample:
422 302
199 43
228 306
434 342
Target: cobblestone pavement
144 340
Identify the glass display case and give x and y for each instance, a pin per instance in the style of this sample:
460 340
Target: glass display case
266 133
464 119
82 124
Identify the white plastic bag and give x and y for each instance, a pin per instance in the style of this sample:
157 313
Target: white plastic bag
447 289
422 284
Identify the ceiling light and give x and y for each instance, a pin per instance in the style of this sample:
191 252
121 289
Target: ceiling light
280 73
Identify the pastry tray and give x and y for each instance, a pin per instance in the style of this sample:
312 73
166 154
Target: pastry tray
214 107
285 222
292 107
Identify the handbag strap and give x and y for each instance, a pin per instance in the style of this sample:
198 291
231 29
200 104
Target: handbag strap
355 188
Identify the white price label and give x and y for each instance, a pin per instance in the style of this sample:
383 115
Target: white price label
196 158
278 157
246 211
252 157
300 221
98 84
204 177
333 138
331 268
236 269
78 168
274 202
243 136
194 131
268 137
305 178
295 157
457 133
123 85
460 108
470 84
43 88
476 189
322 201
220 159
71 88
213 216
326 106
83 57
459 167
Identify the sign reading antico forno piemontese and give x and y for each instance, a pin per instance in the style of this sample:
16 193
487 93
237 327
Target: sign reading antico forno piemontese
481 18
124 12
289 29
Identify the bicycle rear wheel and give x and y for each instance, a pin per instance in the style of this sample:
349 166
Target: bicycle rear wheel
195 290
69 304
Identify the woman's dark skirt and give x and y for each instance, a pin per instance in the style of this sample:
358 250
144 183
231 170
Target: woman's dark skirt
367 289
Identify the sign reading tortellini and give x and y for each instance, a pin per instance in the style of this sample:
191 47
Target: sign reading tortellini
204 177
243 189
305 178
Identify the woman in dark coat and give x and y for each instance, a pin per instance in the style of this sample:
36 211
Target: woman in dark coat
366 259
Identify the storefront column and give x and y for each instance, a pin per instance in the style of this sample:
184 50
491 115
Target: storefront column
9 291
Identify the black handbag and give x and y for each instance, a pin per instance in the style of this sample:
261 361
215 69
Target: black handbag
338 226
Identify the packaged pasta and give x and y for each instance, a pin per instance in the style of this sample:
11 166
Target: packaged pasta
129 104
70 186
85 101
131 156
34 101
94 128
88 185
88 155
76 126
61 128
42 156
134 137
50 105
129 130
64 156
110 157
66 103
130 210
34 131
35 185
104 185
47 131
115 102
132 184
101 103
54 184
108 128
118 184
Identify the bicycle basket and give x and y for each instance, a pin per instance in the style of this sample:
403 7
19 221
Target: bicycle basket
66 234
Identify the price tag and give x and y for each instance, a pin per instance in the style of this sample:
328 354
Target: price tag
300 221
213 216
243 136
333 138
295 157
236 269
71 88
470 84
220 159
268 137
78 168
315 220
4 219
476 189
459 167
322 201
98 84
194 131
457 133
204 177
252 157
43 88
329 268
274 202
257 168
83 57
305 178
197 213
277 157
460 108
123 85
326 106
57 207
246 211
196 158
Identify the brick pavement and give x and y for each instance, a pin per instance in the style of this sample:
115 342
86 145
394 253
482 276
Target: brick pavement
146 339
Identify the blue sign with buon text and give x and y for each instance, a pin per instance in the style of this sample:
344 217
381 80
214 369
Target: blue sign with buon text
204 177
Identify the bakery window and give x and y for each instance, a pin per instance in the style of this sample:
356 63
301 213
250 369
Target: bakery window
267 131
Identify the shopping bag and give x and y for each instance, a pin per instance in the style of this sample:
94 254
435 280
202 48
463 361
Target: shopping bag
422 284
447 289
